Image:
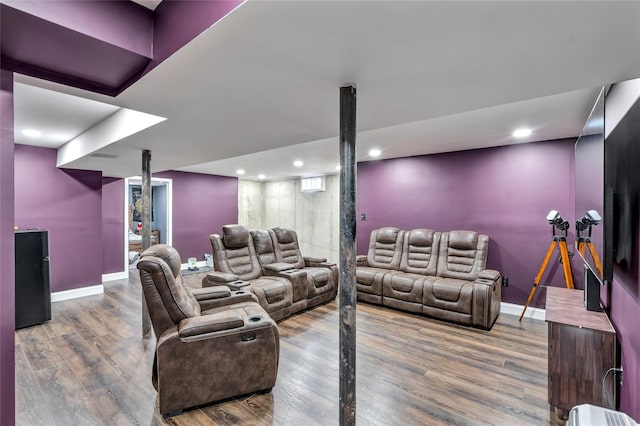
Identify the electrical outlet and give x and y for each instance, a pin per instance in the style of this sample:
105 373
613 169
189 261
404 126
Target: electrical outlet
505 281
363 216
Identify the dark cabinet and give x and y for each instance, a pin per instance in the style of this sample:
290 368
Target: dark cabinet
33 294
582 348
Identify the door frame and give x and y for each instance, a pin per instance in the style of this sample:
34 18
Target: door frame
137 180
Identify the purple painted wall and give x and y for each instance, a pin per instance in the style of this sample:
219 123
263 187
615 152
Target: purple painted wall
7 249
504 192
112 225
201 205
101 46
121 23
178 22
68 203
96 45
624 311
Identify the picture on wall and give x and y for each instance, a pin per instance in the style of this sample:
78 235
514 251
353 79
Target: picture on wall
136 202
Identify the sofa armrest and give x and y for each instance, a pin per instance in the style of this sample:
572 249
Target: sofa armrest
218 278
204 324
361 260
278 267
314 259
489 274
317 262
209 293
236 296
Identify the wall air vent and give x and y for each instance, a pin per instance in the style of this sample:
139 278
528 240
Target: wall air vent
312 184
99 155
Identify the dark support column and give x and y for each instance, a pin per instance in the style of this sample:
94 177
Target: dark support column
146 228
348 255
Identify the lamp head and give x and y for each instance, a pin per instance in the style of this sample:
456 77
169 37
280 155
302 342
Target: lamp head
556 220
591 218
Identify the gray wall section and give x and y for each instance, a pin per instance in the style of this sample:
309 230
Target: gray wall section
314 216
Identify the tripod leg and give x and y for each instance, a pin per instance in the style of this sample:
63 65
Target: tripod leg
581 247
538 277
596 258
566 264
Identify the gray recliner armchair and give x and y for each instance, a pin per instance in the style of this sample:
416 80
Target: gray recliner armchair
322 276
237 265
212 343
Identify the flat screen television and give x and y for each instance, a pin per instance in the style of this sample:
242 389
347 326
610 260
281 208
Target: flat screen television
622 198
589 192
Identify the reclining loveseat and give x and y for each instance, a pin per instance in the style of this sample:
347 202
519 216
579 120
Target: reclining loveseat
270 264
211 343
441 275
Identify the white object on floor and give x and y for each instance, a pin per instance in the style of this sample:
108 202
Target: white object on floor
591 415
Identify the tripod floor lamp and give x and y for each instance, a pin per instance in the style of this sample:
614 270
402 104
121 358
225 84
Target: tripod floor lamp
557 222
591 218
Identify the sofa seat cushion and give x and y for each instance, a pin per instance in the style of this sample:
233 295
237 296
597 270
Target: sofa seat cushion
319 281
273 293
404 286
449 294
369 280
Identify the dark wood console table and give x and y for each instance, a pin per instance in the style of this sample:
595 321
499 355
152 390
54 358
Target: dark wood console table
582 347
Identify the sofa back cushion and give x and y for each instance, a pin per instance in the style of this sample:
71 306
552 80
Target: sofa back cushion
385 248
420 252
234 253
168 299
463 254
285 243
264 247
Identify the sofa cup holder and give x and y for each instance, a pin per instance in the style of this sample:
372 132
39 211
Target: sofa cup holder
255 318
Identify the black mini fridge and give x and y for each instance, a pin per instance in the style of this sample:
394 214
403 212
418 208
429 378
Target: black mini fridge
33 294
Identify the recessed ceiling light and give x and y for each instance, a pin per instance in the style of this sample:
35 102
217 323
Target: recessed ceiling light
375 153
261 176
32 133
338 168
240 171
522 133
298 163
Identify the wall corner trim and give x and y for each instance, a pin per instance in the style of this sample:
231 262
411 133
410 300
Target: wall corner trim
59 296
115 276
513 309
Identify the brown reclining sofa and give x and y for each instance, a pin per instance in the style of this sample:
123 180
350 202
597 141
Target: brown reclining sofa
270 265
441 275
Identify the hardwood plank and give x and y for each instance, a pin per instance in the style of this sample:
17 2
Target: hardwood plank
90 365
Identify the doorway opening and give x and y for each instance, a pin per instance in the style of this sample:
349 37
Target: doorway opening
161 216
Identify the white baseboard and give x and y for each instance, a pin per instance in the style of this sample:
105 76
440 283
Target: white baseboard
59 296
513 309
199 264
115 276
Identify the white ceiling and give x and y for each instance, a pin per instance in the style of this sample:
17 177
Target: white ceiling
149 4
260 88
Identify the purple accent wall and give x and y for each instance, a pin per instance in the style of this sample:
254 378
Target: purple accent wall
68 203
178 22
98 46
624 311
504 192
7 250
112 225
101 46
201 205
120 23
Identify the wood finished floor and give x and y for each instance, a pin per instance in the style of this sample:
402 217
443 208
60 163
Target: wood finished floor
90 366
